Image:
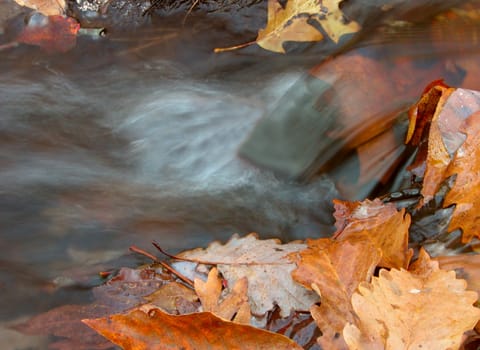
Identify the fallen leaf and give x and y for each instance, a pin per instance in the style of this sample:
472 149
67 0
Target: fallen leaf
298 20
233 306
148 327
289 23
55 34
334 22
465 192
382 223
267 267
423 308
47 7
171 295
467 267
435 123
124 291
334 269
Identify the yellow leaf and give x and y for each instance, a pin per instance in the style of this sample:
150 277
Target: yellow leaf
294 23
288 24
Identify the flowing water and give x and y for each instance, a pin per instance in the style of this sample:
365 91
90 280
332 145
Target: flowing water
134 138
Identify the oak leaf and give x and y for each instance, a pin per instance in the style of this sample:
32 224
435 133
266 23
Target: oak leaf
334 269
150 328
289 23
267 267
424 308
383 223
298 20
467 267
435 126
233 306
465 192
173 297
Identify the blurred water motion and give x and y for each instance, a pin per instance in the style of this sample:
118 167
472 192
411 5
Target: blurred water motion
119 142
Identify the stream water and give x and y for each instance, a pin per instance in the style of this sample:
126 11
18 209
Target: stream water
133 138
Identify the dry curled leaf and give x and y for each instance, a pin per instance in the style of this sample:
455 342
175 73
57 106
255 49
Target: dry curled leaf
424 308
150 328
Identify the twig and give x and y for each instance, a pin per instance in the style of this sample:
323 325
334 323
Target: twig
163 264
189 11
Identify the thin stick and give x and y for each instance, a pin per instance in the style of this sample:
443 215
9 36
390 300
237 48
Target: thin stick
163 264
189 12
231 48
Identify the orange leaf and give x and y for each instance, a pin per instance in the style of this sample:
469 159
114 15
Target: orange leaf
383 223
229 306
436 122
150 328
425 308
465 193
467 266
334 269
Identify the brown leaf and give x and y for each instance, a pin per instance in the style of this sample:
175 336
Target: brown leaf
234 303
150 328
266 266
424 308
465 192
334 269
170 296
436 122
467 266
124 291
382 223
294 20
57 34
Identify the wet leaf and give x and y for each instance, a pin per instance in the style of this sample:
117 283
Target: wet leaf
150 328
289 23
172 297
465 192
299 20
234 303
55 34
435 123
47 7
124 291
382 223
267 267
423 308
